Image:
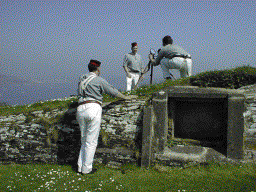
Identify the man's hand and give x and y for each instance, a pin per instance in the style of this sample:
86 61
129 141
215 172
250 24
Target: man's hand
150 56
128 75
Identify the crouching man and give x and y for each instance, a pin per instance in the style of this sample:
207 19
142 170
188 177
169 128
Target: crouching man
89 112
173 56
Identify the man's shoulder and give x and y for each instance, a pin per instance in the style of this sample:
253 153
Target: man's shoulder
176 46
100 79
84 76
128 54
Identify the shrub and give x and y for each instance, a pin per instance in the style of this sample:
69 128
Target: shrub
232 78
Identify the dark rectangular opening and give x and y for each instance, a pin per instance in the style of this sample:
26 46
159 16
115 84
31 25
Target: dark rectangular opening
201 119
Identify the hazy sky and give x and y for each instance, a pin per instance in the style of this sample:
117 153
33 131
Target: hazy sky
54 40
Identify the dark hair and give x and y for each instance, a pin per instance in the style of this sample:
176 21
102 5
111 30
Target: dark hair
134 44
167 40
93 65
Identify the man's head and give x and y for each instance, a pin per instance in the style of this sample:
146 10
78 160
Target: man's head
134 47
167 40
94 66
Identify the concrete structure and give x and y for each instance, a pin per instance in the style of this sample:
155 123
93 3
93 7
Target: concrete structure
211 117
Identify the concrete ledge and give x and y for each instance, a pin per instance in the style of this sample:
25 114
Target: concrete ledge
183 154
117 150
209 92
186 154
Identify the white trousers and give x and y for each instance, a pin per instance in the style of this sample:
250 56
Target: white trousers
131 82
182 64
89 119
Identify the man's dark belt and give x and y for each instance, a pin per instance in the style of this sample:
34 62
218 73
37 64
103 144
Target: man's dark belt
89 101
183 56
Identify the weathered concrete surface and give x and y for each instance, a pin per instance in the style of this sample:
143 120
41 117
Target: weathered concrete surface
160 115
183 153
211 92
147 137
235 130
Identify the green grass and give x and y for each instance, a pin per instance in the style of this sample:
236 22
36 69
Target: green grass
129 178
39 106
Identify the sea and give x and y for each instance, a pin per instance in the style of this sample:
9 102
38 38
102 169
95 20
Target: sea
29 93
23 94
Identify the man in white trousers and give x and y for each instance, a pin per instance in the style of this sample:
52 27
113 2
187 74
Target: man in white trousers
132 65
172 56
89 112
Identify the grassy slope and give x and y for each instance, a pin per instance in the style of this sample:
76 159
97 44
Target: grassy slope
142 92
212 177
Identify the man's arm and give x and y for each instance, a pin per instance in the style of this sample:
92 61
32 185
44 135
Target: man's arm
127 71
125 62
156 61
112 91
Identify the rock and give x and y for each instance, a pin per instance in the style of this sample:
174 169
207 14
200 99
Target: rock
253 126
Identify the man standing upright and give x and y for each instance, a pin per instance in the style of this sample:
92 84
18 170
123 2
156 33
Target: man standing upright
172 56
89 112
132 66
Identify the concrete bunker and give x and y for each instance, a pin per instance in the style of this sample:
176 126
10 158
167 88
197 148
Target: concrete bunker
211 118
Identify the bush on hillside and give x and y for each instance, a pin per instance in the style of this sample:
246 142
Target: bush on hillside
231 79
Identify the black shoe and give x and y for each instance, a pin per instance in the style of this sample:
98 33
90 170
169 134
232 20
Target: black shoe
168 78
92 172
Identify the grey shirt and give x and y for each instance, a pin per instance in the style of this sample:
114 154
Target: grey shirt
169 51
133 62
95 88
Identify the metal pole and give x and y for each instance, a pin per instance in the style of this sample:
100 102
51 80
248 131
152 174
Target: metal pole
151 75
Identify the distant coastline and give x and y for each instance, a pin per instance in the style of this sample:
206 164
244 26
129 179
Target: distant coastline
23 94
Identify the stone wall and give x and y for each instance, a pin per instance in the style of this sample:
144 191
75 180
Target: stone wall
25 141
250 119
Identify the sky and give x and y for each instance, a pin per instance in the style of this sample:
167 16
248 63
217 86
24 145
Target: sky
52 41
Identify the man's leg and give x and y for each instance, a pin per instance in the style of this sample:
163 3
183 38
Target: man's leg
167 64
165 68
189 66
129 84
81 119
186 69
89 137
135 79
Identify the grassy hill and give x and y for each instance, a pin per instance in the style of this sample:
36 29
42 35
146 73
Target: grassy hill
231 78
